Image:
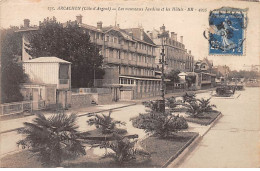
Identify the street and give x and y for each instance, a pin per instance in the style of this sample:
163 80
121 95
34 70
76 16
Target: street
234 140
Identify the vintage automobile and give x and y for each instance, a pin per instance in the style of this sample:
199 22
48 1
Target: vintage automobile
225 91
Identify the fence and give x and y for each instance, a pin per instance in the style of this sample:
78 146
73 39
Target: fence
19 107
92 90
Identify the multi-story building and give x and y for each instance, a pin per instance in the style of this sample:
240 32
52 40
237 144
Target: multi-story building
176 56
129 59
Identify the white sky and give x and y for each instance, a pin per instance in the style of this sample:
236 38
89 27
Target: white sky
188 24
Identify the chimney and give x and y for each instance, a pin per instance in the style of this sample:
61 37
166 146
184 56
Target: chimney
175 36
131 34
79 19
99 25
142 33
162 29
172 35
151 35
181 37
26 23
190 52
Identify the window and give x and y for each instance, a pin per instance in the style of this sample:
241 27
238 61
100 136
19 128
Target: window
115 40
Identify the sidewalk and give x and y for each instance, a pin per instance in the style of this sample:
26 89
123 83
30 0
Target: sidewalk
14 124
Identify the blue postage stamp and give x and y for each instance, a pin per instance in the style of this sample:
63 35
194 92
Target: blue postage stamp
226 34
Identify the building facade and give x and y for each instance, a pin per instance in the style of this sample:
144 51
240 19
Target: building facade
204 71
129 59
176 56
44 72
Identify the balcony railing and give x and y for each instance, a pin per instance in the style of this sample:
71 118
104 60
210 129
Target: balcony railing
150 52
132 48
143 51
124 47
113 45
112 60
100 42
132 62
124 61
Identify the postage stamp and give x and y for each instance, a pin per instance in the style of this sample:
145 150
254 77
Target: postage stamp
226 34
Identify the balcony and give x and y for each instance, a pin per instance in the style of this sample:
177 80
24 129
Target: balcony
124 47
132 62
150 65
132 48
150 52
143 51
99 42
112 60
113 45
142 64
124 61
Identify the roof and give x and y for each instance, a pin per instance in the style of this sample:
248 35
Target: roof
137 35
48 59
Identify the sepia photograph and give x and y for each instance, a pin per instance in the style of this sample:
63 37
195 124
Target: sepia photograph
130 84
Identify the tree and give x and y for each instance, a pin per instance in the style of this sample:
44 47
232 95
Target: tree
205 105
190 80
106 124
173 76
11 69
194 109
70 43
124 150
159 123
52 139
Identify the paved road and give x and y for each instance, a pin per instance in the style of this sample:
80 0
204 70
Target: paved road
234 140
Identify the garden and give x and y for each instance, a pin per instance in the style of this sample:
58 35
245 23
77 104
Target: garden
57 142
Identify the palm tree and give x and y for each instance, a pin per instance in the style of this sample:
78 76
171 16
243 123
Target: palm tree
52 139
106 123
189 97
194 109
124 150
205 105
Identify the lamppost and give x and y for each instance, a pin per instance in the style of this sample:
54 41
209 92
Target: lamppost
163 35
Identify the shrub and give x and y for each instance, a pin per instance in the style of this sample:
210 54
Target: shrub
159 124
189 97
52 139
194 109
156 106
171 102
124 150
205 105
106 124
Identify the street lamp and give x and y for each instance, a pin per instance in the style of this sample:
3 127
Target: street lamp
163 35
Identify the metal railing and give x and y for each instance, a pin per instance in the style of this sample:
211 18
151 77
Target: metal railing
19 107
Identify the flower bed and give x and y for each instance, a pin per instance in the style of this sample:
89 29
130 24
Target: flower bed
162 150
205 119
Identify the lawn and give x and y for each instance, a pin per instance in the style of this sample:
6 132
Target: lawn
161 151
206 119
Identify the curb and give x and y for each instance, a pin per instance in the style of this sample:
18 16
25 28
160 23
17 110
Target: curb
183 154
182 151
80 115
176 161
105 110
213 123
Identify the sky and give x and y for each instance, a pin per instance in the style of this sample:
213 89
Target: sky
189 24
